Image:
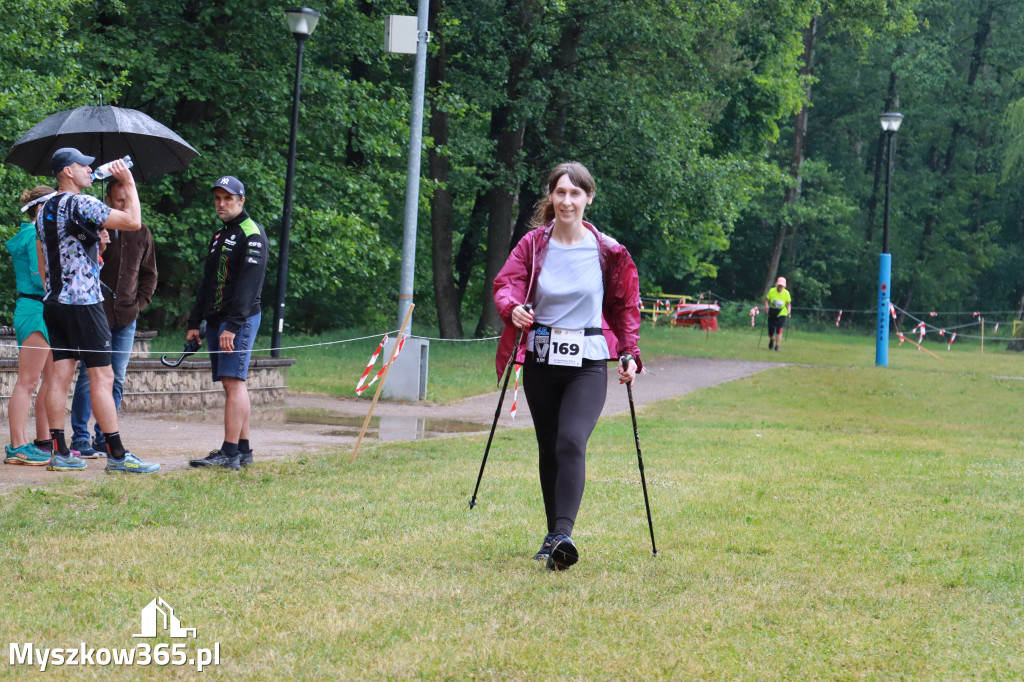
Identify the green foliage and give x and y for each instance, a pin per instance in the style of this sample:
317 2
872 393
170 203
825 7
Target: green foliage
682 110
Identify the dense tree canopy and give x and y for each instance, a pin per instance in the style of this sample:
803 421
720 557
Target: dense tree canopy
730 140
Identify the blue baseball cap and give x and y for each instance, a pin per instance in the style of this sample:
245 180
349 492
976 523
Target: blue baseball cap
65 156
231 184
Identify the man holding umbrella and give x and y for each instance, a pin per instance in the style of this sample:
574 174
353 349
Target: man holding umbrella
69 226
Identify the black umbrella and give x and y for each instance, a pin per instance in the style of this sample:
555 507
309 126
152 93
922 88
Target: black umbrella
107 133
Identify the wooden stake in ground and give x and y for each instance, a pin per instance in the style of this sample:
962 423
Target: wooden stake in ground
383 378
920 347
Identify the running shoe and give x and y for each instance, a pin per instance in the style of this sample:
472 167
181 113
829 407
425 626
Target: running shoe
59 462
563 553
545 548
245 458
27 454
86 451
47 448
131 464
218 459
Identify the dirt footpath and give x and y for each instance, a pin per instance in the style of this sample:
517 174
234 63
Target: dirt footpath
310 422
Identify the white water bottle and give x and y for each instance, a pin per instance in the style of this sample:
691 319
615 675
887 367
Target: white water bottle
103 172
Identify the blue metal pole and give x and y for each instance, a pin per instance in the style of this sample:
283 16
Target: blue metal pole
884 286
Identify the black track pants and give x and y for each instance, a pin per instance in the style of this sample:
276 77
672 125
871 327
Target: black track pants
565 403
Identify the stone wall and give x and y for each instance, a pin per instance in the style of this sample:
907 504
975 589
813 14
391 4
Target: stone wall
152 387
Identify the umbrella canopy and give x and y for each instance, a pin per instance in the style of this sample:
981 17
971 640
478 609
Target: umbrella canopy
107 133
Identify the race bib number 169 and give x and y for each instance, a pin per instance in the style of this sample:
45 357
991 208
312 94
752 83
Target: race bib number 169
566 347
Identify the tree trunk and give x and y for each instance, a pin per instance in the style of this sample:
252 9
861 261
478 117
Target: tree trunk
498 203
799 141
446 300
500 197
540 147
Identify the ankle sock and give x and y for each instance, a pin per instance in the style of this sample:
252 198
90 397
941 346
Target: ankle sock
243 445
114 447
43 444
229 449
59 445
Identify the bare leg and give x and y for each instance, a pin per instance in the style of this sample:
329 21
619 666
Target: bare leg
101 394
57 397
236 409
42 419
31 360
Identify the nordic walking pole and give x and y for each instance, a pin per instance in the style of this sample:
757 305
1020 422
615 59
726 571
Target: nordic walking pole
497 411
762 332
639 458
383 378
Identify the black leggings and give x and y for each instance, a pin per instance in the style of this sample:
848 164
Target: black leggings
565 403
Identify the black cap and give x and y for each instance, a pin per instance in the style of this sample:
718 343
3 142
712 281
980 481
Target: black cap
65 156
231 184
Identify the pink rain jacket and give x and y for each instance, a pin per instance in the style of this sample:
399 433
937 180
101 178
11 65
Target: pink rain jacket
517 281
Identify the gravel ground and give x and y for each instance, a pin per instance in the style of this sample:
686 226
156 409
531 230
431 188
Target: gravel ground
321 423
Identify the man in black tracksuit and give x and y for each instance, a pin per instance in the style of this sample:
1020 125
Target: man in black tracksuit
229 300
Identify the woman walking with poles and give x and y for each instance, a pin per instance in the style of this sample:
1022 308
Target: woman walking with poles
585 294
777 304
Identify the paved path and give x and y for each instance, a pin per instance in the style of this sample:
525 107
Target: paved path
321 423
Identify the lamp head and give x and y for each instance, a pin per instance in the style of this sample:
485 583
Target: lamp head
891 121
301 21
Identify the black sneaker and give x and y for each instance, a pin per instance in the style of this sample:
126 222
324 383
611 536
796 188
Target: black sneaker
771 344
563 553
245 458
216 458
545 548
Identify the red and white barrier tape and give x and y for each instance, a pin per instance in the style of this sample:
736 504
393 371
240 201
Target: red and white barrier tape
373 360
515 393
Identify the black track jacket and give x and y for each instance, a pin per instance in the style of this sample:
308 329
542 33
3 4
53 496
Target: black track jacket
233 277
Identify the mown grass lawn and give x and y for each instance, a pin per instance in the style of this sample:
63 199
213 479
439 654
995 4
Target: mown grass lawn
819 521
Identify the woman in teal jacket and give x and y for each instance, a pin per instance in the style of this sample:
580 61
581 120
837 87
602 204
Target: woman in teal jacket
33 342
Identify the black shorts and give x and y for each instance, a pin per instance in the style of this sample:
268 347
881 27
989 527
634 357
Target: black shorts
78 332
776 323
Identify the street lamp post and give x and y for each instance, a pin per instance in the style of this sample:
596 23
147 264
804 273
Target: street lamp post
890 124
301 22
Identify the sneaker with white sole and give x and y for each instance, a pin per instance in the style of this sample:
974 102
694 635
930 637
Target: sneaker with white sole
86 451
131 465
59 462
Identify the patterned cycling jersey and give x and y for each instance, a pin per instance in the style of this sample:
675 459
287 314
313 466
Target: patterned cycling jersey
68 226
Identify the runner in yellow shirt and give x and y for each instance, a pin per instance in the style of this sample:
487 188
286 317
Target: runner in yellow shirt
777 304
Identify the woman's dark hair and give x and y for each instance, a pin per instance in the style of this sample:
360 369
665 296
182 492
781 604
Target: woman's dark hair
33 194
578 174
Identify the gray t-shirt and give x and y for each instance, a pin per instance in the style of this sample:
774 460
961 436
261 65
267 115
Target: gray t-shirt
570 293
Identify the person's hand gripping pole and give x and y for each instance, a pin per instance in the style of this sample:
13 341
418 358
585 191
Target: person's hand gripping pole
627 364
520 316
